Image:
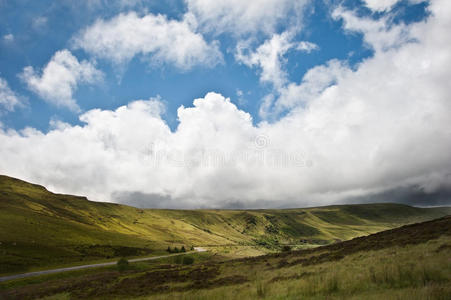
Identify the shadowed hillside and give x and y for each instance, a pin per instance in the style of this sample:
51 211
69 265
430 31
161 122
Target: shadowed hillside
41 229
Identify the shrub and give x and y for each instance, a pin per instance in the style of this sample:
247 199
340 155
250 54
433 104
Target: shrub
122 264
188 260
286 248
178 260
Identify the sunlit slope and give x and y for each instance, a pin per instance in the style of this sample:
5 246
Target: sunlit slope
408 262
39 228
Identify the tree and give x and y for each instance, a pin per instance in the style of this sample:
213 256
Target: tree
183 249
169 249
122 264
176 250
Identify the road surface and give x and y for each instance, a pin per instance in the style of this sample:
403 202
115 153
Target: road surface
30 274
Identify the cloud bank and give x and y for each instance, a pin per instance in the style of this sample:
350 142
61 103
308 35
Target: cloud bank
379 130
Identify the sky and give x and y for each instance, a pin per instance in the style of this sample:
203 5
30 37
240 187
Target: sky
228 103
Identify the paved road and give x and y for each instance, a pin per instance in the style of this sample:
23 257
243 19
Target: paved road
24 275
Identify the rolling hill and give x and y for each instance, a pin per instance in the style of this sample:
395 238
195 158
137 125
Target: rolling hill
41 229
410 262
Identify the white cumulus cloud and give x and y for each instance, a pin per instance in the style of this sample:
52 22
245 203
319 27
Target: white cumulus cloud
386 5
269 57
381 34
246 17
59 79
154 37
9 100
380 5
314 82
307 46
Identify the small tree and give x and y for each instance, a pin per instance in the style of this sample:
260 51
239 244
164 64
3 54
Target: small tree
188 260
192 248
176 250
183 249
169 249
122 264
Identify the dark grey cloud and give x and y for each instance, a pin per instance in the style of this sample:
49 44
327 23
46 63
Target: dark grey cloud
148 200
411 195
144 200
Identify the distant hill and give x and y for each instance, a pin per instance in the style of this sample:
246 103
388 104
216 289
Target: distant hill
40 229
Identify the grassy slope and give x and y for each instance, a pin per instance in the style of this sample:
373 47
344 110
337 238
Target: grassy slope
411 262
41 229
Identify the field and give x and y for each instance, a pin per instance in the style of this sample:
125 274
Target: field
410 262
41 230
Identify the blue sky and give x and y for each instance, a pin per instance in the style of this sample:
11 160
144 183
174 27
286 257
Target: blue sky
40 28
66 66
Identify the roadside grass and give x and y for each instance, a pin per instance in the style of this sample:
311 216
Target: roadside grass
134 267
65 262
17 283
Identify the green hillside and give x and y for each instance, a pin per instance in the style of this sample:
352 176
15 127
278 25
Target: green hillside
411 262
39 229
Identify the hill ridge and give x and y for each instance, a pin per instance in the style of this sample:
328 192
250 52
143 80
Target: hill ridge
39 228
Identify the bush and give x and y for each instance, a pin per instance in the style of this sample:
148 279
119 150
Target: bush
122 264
286 248
188 260
178 260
